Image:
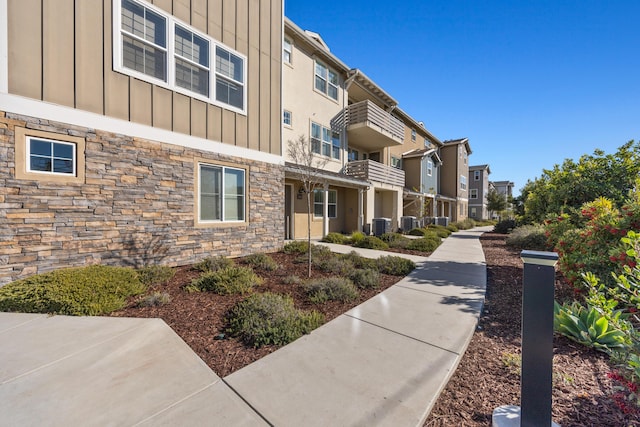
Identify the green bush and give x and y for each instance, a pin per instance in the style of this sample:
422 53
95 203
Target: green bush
292 280
268 318
371 242
505 226
423 245
452 228
335 264
356 237
359 261
417 232
365 278
331 289
335 238
440 230
465 224
394 265
156 299
213 263
92 290
530 237
391 237
296 247
261 261
155 274
229 280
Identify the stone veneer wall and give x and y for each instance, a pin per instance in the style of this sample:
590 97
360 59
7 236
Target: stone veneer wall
135 207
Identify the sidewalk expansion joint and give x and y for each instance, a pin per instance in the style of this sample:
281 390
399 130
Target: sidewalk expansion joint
247 403
401 334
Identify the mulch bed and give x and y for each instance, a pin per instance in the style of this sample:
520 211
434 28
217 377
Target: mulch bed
487 376
199 317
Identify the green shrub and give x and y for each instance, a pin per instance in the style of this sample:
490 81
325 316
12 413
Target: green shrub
587 326
391 237
452 228
356 237
530 237
417 232
292 280
262 261
505 226
213 263
465 224
335 238
400 243
423 245
155 274
296 247
229 280
335 264
92 290
371 242
331 289
359 261
268 318
365 278
394 265
440 230
156 299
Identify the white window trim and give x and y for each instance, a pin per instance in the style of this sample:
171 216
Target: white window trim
290 51
323 142
321 191
476 175
171 55
414 135
327 80
473 193
429 167
52 141
463 182
290 124
222 196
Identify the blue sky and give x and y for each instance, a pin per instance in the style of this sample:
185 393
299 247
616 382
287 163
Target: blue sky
530 83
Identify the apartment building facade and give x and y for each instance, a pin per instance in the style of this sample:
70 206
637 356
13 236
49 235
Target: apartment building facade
479 186
138 132
454 177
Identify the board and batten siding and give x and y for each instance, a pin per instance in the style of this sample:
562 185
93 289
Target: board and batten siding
70 63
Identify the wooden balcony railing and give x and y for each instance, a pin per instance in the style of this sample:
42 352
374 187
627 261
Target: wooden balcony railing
374 171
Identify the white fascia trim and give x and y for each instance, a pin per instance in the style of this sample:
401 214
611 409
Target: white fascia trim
4 47
38 109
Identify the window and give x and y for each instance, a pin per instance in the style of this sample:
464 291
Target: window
473 193
221 194
476 175
463 182
325 141
286 117
427 143
429 167
153 46
413 134
47 156
474 212
326 81
318 203
353 155
286 51
396 162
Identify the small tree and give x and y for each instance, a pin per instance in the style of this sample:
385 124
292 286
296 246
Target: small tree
496 202
308 167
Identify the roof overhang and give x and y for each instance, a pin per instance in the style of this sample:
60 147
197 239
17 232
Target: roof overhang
295 171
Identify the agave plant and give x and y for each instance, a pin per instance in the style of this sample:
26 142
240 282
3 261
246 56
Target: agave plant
587 326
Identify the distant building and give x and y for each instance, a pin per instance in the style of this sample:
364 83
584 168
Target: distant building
478 189
506 189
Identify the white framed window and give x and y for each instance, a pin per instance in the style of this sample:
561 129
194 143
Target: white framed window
325 141
326 80
154 46
427 143
286 118
473 193
50 157
396 162
474 212
287 51
221 193
353 155
318 203
463 182
429 167
413 134
476 175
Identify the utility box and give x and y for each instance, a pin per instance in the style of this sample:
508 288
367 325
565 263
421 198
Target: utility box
408 223
381 226
441 220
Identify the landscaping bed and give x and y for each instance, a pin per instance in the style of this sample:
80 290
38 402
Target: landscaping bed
199 318
488 374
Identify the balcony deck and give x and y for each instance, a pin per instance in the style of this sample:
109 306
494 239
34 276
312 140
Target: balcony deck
374 171
370 126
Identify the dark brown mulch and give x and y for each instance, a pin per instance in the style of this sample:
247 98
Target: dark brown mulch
199 317
487 377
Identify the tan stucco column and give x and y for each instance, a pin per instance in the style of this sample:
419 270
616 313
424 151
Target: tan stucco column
325 210
360 209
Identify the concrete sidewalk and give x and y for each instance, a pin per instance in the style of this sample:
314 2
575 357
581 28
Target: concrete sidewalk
383 363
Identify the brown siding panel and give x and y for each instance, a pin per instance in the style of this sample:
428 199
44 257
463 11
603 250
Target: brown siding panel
199 15
276 114
229 24
162 108
166 5
198 118
214 18
25 35
214 123
265 105
181 114
228 127
182 10
58 52
242 27
141 109
89 57
116 85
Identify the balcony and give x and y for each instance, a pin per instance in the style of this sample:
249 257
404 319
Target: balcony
374 171
369 126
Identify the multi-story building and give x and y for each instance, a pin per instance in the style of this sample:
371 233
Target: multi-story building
479 187
454 176
138 132
506 189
